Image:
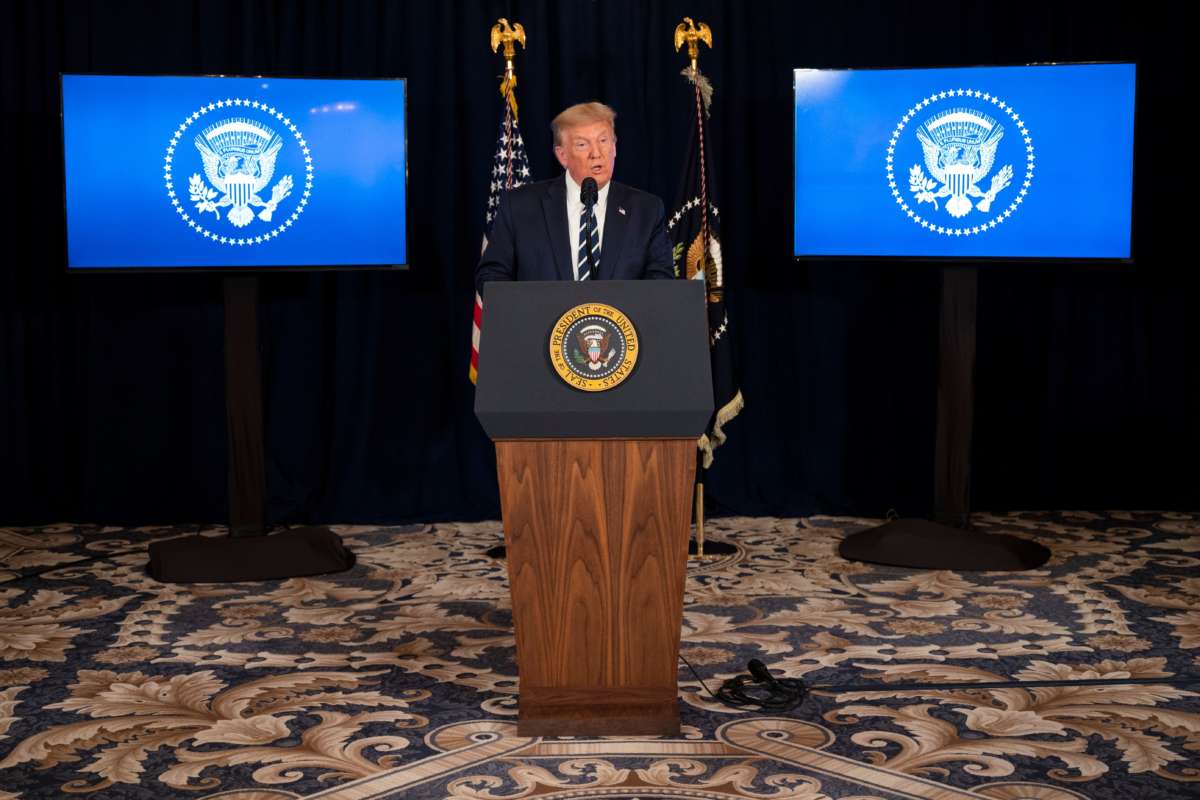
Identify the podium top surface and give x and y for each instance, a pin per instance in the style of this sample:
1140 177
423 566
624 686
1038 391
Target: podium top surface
667 394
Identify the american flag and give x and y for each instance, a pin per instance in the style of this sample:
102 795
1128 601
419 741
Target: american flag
510 169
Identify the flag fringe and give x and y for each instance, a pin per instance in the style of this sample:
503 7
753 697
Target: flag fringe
696 77
724 414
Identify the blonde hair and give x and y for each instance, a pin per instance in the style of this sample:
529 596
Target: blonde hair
582 114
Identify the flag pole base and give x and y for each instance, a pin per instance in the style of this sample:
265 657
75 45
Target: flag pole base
712 551
699 548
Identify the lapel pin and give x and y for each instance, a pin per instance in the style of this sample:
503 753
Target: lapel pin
621 211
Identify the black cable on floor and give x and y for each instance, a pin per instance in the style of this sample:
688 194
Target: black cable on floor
1178 680
763 690
760 689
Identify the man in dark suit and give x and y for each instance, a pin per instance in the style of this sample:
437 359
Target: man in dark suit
556 230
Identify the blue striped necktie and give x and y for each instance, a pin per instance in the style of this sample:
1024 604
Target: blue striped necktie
589 241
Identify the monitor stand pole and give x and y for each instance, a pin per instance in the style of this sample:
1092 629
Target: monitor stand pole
948 542
244 409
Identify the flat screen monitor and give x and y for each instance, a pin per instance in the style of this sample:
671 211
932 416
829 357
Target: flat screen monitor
1024 162
181 173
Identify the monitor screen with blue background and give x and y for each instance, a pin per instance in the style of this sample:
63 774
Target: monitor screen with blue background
975 162
213 172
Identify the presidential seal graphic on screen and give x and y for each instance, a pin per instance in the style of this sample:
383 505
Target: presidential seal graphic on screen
958 156
168 172
241 169
593 347
1001 162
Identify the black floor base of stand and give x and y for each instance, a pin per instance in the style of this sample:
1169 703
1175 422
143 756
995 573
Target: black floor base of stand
922 544
711 549
294 553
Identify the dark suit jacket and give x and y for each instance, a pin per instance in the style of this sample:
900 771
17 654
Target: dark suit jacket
530 233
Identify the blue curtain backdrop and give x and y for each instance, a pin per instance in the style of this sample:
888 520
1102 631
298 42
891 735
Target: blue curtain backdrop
111 386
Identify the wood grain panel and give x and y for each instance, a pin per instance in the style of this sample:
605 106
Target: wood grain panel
596 534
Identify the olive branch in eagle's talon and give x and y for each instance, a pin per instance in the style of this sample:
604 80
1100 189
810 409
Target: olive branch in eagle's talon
202 196
922 186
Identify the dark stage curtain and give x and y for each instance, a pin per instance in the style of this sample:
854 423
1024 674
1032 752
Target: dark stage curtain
111 386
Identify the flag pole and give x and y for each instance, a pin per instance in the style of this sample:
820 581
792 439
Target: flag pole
688 33
510 153
501 34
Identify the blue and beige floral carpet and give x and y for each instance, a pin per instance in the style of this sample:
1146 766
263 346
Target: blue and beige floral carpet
396 679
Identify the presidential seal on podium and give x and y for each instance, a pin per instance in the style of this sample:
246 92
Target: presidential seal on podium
593 347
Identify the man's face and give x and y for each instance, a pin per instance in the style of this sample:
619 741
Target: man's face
588 151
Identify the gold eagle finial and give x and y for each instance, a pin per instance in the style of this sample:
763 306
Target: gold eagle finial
502 34
687 31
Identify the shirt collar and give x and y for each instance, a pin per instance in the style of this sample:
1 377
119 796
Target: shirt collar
574 188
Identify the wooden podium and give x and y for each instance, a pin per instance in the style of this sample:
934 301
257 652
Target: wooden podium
596 492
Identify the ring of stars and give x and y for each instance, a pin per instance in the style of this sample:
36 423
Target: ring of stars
168 172
688 206
1027 142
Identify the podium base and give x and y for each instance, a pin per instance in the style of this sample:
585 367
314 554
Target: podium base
711 550
597 712
921 544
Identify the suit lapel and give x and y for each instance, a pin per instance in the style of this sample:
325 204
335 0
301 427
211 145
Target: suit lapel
616 225
554 206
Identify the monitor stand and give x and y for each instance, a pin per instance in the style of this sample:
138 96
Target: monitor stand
949 542
248 553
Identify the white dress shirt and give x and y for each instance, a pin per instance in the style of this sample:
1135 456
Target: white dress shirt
575 212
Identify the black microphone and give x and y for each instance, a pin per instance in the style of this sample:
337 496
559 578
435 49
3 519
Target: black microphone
588 194
760 672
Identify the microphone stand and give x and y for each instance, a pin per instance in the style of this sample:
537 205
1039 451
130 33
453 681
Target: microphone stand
589 193
591 254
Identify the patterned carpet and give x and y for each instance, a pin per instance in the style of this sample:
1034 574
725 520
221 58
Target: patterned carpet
397 679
